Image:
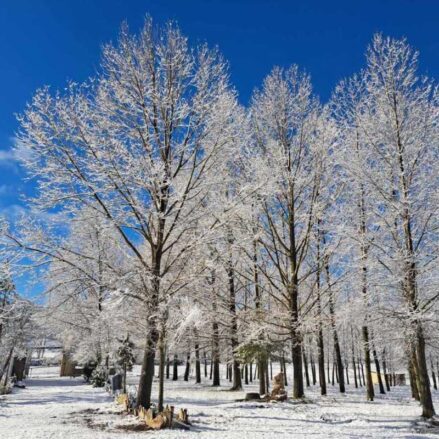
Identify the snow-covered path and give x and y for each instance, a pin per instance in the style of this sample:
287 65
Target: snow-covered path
54 408
48 407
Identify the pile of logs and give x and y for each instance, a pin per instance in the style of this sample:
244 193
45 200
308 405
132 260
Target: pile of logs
157 421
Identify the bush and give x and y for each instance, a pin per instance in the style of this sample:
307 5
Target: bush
99 377
88 370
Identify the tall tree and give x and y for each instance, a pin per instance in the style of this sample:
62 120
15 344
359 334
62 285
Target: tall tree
136 145
284 117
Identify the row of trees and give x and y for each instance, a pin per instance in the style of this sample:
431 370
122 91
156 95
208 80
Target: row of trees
287 229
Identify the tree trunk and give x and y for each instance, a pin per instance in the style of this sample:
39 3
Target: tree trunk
124 378
412 375
267 381
337 351
362 374
168 366
64 359
386 375
162 359
285 369
296 352
313 370
197 364
359 373
5 367
353 358
354 367
370 393
378 371
433 375
216 381
237 382
215 351
321 361
187 368
175 368
339 363
320 341
152 338
262 375
328 370
215 357
422 375
147 371
258 305
305 365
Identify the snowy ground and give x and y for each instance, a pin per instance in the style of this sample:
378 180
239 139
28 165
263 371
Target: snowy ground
54 408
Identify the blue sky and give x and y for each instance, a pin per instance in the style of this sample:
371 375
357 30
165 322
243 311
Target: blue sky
48 42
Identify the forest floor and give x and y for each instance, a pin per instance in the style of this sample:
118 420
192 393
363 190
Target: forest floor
51 407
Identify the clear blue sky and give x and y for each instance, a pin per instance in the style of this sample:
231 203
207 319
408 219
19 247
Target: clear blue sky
50 41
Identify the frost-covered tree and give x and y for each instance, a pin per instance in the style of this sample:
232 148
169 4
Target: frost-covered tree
396 124
402 126
137 145
285 116
357 200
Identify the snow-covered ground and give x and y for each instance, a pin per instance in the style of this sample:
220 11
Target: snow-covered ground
52 407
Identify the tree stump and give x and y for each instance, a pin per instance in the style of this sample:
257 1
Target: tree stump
122 399
164 419
183 416
252 396
278 393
